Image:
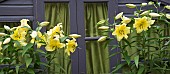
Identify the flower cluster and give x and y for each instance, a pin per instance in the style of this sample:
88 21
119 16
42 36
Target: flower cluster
142 21
21 40
143 38
51 39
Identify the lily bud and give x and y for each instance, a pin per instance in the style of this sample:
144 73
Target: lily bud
33 34
118 16
42 24
168 16
7 28
154 14
167 7
23 43
103 28
74 35
24 23
0 45
101 39
130 5
3 34
143 4
125 20
7 40
150 3
145 13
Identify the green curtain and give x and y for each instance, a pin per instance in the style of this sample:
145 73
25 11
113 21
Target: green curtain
59 13
96 54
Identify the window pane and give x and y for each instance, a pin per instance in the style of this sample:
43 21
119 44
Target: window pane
96 54
59 13
94 12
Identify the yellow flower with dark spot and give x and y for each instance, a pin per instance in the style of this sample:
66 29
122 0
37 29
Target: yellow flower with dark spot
121 31
53 43
142 24
19 34
71 46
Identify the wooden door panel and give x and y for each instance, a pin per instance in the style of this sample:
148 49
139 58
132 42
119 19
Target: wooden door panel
16 10
19 2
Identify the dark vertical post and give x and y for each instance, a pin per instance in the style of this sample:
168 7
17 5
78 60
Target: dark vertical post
73 28
112 11
81 41
39 16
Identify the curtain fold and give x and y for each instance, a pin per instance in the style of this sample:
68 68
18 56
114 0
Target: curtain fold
97 56
59 13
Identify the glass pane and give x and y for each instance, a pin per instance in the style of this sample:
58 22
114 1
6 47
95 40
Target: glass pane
94 12
59 13
96 53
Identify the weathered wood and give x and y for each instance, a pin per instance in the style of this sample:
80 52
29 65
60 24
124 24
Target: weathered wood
14 18
16 10
73 29
132 1
95 1
9 2
81 41
112 11
54 1
123 8
166 1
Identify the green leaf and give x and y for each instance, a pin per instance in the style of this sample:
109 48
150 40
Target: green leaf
136 60
58 65
114 54
128 43
127 58
118 67
25 48
5 47
141 69
107 43
30 71
17 69
63 39
2 72
41 63
40 51
28 61
17 43
114 47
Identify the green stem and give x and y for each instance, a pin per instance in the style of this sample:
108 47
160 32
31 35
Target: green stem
51 59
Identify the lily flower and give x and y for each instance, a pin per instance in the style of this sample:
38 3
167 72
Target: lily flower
71 46
142 24
121 31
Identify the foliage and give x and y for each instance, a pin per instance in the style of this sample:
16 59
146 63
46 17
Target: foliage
146 33
19 53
